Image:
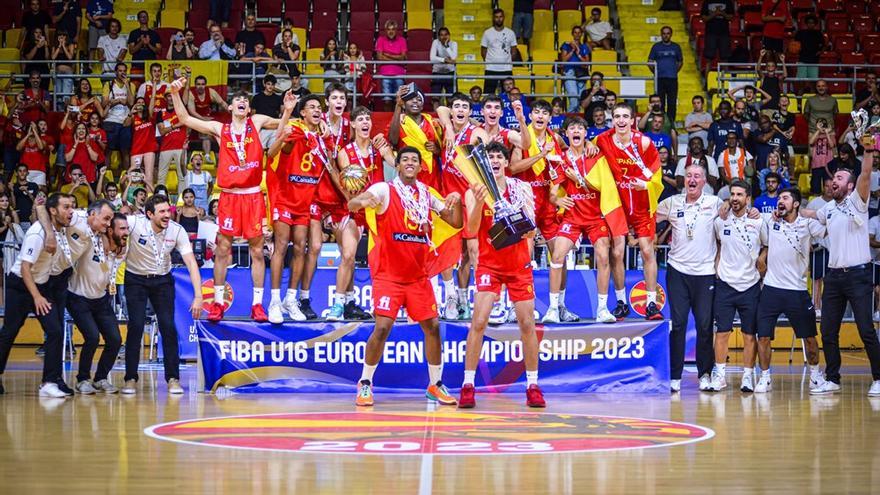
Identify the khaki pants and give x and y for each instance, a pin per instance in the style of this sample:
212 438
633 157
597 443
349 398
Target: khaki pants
166 158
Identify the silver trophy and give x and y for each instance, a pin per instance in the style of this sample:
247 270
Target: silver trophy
862 124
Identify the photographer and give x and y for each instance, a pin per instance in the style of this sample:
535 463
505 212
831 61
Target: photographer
24 193
594 95
79 187
179 49
62 54
216 47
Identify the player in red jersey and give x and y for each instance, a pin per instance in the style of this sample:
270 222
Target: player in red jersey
511 266
418 130
370 155
635 163
143 140
583 219
399 214
241 209
493 109
201 106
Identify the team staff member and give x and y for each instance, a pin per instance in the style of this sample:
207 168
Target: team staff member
31 288
690 278
148 277
788 238
401 233
737 284
848 279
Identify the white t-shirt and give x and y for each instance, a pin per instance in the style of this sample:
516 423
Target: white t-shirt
788 251
202 179
713 171
847 224
816 204
598 30
111 48
382 192
498 45
692 248
874 230
32 252
77 234
740 239
118 112
143 244
875 180
94 266
733 161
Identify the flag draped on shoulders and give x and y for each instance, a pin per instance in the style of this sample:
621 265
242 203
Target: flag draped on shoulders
417 136
599 177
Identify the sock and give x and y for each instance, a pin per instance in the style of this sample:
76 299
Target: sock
562 297
814 370
349 297
531 378
303 294
720 367
554 300
748 371
291 294
258 296
339 298
469 377
620 294
276 296
367 373
449 288
462 294
651 296
220 295
435 373
766 372
603 301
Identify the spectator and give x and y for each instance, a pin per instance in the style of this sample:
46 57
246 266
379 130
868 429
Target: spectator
698 122
752 106
594 96
249 35
775 166
497 47
770 81
810 41
134 182
172 148
743 114
270 103
32 152
657 136
783 120
259 56
212 211
821 106
65 141
33 103
216 47
286 25
112 48
821 154
178 49
845 159
523 19
119 97
219 13
717 15
286 49
719 130
476 94
774 15
355 65
10 228
36 47
331 59
79 186
296 86
98 140
557 116
869 95
766 202
654 109
391 47
768 139
35 18
508 117
574 73
668 57
670 184
196 180
111 194
143 42
154 89
13 132
444 53
189 37
62 54
600 32
188 214
697 156
24 193
99 13
610 101
66 16
600 124
201 106
83 103
49 149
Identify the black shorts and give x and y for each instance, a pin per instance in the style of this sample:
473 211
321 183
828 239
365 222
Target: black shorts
772 44
876 267
795 304
729 301
818 263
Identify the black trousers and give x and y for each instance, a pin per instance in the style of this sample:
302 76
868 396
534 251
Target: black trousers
690 293
490 85
95 318
853 286
19 304
159 290
667 89
717 44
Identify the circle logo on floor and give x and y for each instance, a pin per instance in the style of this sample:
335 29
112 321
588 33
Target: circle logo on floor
438 432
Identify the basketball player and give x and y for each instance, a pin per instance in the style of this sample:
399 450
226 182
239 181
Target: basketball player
788 238
401 210
583 219
371 155
636 167
242 208
416 129
201 106
31 288
510 266
493 109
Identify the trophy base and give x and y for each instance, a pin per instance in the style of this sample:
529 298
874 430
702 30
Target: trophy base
508 230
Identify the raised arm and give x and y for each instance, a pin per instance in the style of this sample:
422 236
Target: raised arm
205 127
863 183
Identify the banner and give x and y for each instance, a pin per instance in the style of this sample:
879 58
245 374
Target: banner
325 357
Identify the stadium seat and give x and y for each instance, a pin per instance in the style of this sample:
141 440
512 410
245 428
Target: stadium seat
419 5
201 34
318 38
13 38
804 182
836 23
825 6
543 20
165 34
566 19
197 18
844 43
329 6
268 34
753 22
744 5
541 4
870 43
419 39
388 16
863 24
390 5
854 7
325 21
298 11
801 6
544 40
269 8
300 34
852 59
7 54
364 39
362 21
418 19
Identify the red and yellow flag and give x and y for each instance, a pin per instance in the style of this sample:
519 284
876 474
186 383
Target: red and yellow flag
599 177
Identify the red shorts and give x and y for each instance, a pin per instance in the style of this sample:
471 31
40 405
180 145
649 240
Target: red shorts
593 231
337 212
546 219
520 284
285 214
241 215
642 224
417 297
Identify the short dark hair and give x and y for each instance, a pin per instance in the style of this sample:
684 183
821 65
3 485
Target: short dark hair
623 104
742 185
111 184
358 111
574 120
497 11
494 99
496 147
154 64
407 149
441 29
117 217
269 79
240 93
653 95
187 190
153 201
73 167
302 103
116 67
335 86
597 73
773 175
556 101
699 97
459 96
139 190
202 78
542 105
795 193
53 199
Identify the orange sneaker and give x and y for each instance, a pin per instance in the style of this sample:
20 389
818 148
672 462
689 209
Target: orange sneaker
258 314
466 400
440 393
365 394
215 312
534 397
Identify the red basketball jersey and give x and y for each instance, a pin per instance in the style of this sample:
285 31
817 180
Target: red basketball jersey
453 179
510 259
295 179
625 169
372 163
234 173
401 249
587 208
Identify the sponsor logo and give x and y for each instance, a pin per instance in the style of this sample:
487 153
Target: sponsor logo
303 179
384 303
242 168
726 232
485 280
75 236
142 241
775 226
679 214
404 237
591 196
208 294
638 298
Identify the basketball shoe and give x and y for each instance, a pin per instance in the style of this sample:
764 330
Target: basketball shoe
466 399
439 393
534 397
365 394
258 314
215 312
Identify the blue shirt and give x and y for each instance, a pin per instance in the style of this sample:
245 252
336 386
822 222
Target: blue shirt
508 119
556 122
99 7
667 56
660 140
766 204
594 131
718 132
583 51
477 112
764 149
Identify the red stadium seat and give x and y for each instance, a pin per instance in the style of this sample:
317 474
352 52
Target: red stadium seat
874 9
565 5
419 39
268 35
827 58
693 7
837 87
365 40
540 4
875 58
269 8
419 68
745 5
201 35
389 5
736 26
326 6
698 27
854 7
197 18
362 21
297 8
863 24
585 2
824 6
852 59
870 43
801 6
317 38
362 6
753 22
165 34
386 16
845 43
324 21
229 33
836 23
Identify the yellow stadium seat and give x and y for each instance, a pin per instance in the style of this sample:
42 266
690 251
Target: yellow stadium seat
177 4
544 40
173 18
844 103
312 55
546 88
300 34
543 20
418 5
544 55
419 20
567 19
604 56
13 38
507 7
171 181
804 182
7 54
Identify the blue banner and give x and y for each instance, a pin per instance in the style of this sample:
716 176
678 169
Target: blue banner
324 357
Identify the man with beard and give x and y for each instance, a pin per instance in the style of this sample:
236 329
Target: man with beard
767 139
734 162
697 156
719 129
417 130
399 215
600 124
766 203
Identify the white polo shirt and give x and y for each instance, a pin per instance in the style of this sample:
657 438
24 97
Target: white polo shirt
788 251
874 229
32 251
740 239
94 265
149 253
816 204
692 249
847 224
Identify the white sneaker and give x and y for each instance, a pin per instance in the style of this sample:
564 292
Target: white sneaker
551 316
105 386
874 391
675 386
706 383
718 381
818 313
498 314
605 316
130 387
825 388
174 387
816 380
876 315
292 306
511 315
276 313
748 382
51 390
764 384
450 309
85 387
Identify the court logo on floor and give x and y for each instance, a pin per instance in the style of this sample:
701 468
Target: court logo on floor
439 432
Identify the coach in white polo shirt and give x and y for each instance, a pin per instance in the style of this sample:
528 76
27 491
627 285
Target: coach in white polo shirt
690 277
848 279
788 238
737 284
148 277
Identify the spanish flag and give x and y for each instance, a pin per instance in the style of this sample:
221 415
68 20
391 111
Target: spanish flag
599 177
417 136
214 71
534 149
